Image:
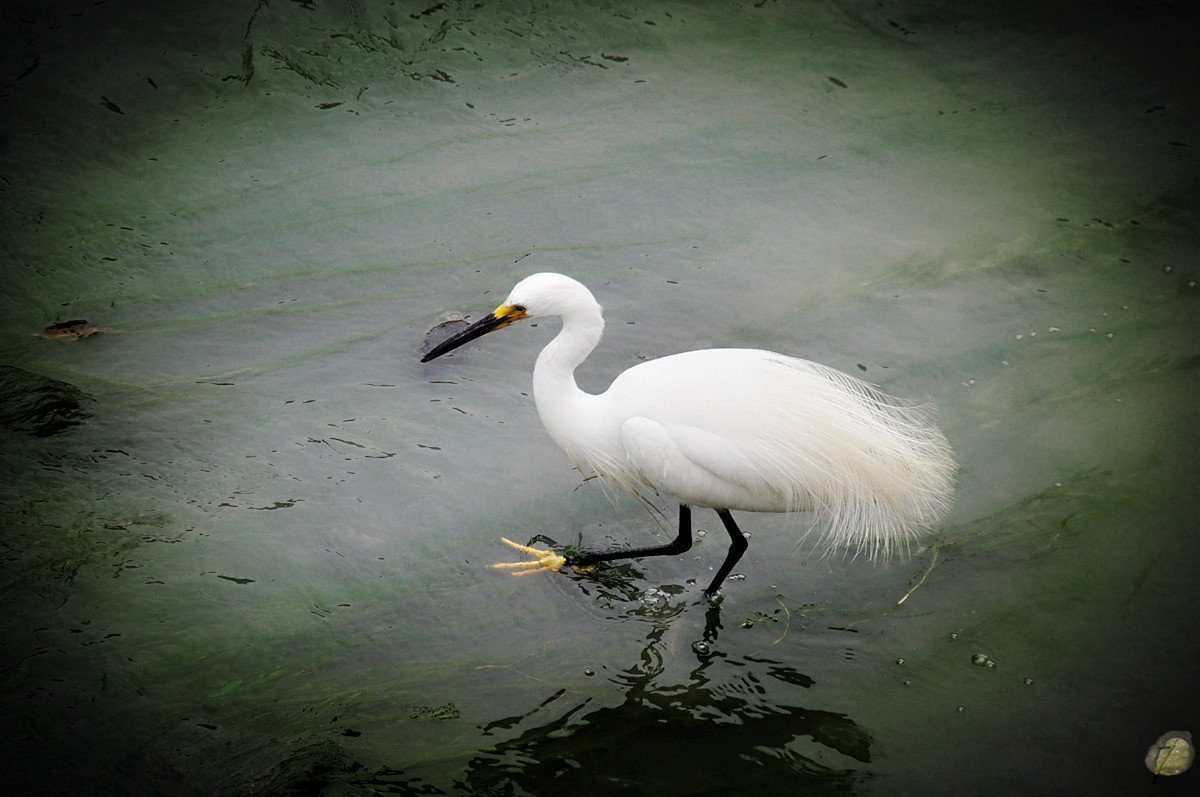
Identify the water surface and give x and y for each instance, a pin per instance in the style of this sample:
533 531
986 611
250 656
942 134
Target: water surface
245 531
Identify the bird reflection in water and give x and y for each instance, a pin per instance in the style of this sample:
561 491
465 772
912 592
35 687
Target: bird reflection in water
687 722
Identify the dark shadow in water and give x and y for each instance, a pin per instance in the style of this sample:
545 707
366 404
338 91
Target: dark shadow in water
37 405
731 726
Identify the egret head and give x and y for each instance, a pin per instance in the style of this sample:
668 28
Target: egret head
547 294
536 296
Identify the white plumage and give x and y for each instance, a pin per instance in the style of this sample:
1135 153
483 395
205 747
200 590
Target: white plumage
733 429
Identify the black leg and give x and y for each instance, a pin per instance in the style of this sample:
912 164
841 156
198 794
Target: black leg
681 543
737 547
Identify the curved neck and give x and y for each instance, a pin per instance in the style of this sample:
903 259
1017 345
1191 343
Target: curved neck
571 416
554 372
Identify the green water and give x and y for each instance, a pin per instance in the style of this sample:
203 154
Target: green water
245 531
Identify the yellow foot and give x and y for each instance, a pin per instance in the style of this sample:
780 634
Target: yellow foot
545 560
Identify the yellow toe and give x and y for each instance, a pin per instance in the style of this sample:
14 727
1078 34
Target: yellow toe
543 560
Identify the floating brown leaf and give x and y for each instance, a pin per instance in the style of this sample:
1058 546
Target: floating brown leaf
1172 754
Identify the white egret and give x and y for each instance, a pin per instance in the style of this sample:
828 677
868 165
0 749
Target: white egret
729 429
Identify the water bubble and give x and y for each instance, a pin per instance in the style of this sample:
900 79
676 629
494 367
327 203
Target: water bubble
899 661
701 648
954 635
962 708
589 672
1053 329
738 577
1029 682
748 624
1168 268
907 682
982 660
654 597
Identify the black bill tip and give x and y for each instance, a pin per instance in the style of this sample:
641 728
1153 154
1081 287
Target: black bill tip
501 318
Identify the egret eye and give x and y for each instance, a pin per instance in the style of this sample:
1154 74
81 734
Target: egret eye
520 308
